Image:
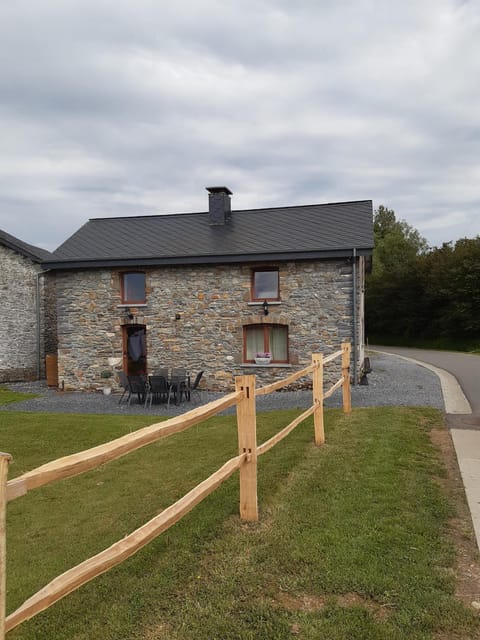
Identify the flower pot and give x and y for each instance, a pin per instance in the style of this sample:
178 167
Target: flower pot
263 360
107 391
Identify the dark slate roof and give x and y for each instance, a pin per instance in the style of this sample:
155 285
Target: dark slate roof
310 231
36 254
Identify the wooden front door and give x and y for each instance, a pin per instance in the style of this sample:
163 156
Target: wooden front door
135 349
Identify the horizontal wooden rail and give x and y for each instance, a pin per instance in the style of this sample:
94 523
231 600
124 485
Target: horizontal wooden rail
333 388
332 356
74 578
268 444
262 391
91 458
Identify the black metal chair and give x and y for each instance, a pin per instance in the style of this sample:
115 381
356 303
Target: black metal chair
138 386
194 387
178 384
178 373
158 390
123 382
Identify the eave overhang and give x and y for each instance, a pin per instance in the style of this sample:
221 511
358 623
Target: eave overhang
21 250
126 263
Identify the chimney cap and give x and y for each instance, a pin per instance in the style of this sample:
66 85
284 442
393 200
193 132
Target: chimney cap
219 190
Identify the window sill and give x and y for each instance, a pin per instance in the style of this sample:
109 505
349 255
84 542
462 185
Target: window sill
136 305
249 365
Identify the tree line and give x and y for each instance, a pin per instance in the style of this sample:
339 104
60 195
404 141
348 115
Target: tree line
415 292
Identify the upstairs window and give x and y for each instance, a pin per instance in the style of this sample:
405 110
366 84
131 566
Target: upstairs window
265 285
261 338
133 288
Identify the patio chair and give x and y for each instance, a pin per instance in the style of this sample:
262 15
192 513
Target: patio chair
138 386
158 390
178 384
194 387
179 373
123 382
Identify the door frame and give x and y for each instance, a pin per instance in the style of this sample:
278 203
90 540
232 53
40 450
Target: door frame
131 367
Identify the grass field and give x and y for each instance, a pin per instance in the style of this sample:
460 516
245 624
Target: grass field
7 396
354 539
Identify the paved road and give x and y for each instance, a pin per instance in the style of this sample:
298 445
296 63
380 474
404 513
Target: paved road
464 366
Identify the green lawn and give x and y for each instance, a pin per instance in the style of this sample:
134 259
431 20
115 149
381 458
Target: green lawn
7 396
353 539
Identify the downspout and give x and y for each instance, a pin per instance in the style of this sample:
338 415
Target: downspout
354 314
39 274
37 325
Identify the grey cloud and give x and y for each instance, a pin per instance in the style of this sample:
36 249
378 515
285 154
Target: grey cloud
127 108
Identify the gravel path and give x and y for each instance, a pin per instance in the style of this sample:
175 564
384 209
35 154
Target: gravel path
393 381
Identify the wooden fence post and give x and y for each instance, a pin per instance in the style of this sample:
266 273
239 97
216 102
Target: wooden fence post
5 459
347 396
247 443
317 378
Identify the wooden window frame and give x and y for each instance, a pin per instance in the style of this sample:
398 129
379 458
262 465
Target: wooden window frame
123 274
252 284
266 346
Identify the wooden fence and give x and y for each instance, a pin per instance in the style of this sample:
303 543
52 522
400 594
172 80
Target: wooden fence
246 462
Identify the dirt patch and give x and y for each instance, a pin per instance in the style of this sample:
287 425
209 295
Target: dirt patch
308 602
467 566
157 631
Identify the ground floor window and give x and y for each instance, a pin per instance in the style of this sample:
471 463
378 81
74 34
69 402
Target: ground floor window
261 338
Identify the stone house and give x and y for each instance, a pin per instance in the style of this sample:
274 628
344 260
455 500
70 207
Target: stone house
207 291
27 310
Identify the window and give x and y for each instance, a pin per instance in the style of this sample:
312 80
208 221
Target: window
133 288
260 338
265 284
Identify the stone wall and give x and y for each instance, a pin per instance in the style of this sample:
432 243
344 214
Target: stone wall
194 317
20 351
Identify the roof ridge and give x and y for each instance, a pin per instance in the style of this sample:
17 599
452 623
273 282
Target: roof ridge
197 213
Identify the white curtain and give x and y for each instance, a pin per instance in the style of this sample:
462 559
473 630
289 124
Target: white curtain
254 341
278 343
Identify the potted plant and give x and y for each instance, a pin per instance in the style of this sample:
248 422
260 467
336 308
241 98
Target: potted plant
106 374
263 357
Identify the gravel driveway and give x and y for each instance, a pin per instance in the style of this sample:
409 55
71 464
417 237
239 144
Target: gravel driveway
393 381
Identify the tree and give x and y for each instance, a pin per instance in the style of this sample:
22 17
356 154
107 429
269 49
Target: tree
415 291
451 279
393 285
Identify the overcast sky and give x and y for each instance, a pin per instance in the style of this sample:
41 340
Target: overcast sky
133 107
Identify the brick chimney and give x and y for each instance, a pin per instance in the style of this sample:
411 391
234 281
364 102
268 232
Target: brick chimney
219 205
